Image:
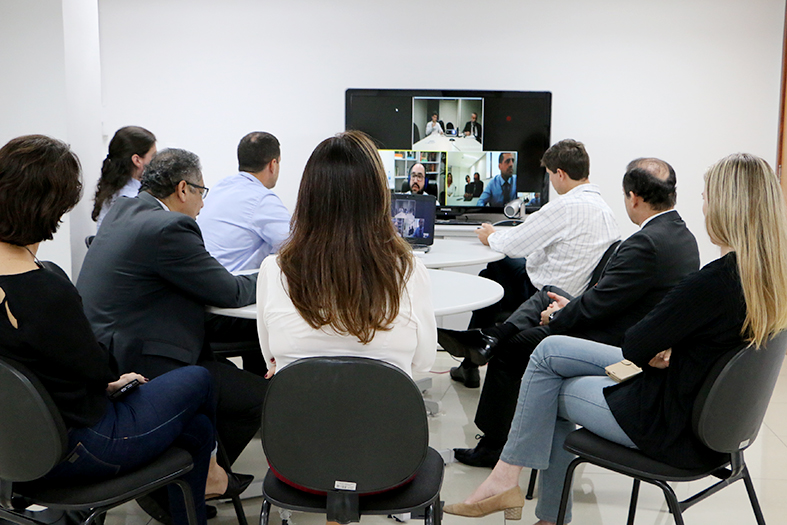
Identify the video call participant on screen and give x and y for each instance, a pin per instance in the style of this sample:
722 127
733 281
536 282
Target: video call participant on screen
450 187
473 128
474 189
434 126
145 283
558 245
502 188
637 276
244 221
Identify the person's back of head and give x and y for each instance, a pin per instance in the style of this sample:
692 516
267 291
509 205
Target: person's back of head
570 156
39 183
118 166
345 265
167 169
652 179
745 211
256 150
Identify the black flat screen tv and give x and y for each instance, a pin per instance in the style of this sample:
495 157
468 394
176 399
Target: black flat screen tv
473 150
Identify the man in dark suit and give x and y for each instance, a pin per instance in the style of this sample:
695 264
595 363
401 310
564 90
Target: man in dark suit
145 283
638 275
473 128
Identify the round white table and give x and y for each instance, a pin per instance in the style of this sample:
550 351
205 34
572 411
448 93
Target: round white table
447 253
452 293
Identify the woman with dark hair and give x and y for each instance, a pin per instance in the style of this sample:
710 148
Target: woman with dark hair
130 150
736 301
43 326
345 283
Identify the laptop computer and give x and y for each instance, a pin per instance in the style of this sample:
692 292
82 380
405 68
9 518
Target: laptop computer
413 217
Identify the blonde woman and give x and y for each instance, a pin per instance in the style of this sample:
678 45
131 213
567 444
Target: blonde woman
735 301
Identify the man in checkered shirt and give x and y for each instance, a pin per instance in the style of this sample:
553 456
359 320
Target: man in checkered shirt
558 245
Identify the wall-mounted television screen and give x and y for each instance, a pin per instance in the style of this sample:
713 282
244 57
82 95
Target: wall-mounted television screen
472 150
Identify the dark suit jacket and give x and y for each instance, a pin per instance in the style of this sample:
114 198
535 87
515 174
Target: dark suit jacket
145 282
638 275
477 134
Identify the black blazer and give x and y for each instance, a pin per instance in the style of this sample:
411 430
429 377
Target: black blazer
477 133
638 275
145 282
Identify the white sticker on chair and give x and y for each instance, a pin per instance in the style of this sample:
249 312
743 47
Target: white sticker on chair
344 485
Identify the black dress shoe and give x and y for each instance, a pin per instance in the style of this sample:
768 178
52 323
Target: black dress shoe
480 456
236 484
473 344
467 376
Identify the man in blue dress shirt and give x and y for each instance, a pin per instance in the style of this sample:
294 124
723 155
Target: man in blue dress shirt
502 188
243 221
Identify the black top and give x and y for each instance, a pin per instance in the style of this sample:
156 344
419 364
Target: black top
55 341
701 320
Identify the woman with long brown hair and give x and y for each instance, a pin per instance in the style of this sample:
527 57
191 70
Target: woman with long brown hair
345 283
130 150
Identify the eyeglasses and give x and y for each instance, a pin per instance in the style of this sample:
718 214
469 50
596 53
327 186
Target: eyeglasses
203 190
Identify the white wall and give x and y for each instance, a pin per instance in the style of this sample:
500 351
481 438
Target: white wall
32 87
685 81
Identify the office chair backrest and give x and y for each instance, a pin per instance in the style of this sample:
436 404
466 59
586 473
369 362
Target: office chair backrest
32 432
599 269
344 422
731 405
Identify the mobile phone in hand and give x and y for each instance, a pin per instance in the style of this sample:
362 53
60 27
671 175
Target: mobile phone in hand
125 389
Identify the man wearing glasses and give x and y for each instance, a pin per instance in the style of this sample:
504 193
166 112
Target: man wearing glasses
245 221
146 280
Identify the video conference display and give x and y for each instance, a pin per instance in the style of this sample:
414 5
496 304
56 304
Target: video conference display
470 149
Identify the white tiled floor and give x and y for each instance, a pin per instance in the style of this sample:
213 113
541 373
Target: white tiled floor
599 496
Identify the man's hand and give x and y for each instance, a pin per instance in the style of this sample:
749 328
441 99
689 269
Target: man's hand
558 302
661 360
484 231
124 380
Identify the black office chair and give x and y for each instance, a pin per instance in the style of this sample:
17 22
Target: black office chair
351 433
726 417
33 440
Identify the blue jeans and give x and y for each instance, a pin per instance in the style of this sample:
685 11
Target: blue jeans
175 408
562 386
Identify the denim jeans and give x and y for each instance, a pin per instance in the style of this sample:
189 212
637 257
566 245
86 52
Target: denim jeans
175 408
562 386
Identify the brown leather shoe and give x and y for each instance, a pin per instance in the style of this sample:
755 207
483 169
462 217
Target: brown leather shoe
510 502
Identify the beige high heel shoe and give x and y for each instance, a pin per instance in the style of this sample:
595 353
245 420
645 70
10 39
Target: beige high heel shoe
510 502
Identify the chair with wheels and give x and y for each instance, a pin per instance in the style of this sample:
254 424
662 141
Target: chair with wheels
350 436
726 417
33 439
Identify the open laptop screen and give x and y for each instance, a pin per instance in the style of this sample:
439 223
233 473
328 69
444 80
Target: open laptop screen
413 217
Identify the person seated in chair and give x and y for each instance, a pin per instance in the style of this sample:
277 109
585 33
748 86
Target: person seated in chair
731 303
361 293
558 245
43 327
145 283
640 272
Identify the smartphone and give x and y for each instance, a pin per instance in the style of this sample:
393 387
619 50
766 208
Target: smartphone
125 389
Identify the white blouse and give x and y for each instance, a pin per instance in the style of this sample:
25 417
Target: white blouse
411 343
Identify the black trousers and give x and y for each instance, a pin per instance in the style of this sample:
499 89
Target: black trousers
497 403
239 393
512 276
